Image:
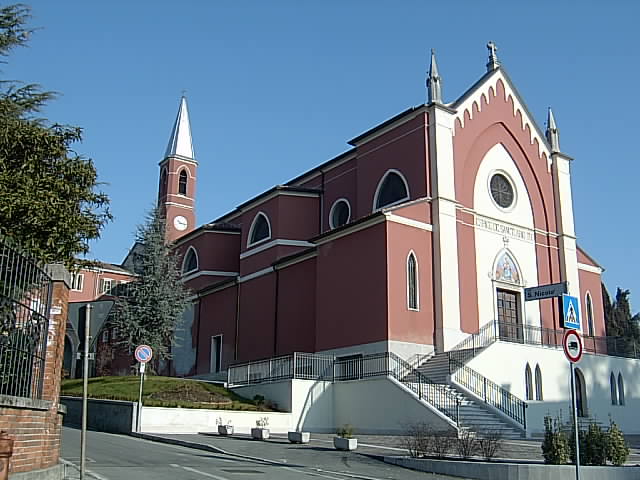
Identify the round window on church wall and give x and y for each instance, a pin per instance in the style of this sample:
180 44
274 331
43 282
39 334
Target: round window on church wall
340 213
502 190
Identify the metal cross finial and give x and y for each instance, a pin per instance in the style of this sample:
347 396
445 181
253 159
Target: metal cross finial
493 57
184 92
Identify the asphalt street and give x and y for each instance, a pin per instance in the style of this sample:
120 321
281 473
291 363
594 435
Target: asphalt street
120 457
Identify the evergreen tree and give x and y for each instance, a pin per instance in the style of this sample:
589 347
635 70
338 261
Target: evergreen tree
48 198
151 307
619 321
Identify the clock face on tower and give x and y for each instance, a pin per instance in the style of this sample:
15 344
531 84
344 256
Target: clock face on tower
180 222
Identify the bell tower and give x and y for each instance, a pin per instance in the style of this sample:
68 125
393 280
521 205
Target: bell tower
177 188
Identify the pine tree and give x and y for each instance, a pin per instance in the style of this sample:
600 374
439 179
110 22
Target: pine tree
151 307
619 321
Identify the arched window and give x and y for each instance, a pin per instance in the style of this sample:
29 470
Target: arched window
620 390
182 183
589 303
190 263
412 282
163 182
528 383
614 390
538 383
260 229
340 213
392 189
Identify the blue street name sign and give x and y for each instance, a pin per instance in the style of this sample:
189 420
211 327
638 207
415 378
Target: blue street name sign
570 312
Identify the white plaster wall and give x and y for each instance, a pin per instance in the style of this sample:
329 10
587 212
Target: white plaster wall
192 420
505 363
276 392
313 406
489 244
381 406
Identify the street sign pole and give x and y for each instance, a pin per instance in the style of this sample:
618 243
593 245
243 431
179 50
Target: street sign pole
139 415
85 390
575 418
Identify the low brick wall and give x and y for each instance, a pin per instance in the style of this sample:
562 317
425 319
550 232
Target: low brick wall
35 428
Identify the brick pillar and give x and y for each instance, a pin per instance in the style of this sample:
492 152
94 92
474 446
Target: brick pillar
55 339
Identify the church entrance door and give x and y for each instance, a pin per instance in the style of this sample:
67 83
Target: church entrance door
509 319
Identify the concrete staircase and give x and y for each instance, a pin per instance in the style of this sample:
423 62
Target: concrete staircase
475 415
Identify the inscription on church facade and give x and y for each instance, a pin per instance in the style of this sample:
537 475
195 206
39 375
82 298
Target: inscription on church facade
504 229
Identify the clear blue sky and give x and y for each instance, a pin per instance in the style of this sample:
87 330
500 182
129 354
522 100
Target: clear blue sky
277 87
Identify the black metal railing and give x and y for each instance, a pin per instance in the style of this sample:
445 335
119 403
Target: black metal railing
299 365
390 365
490 392
25 300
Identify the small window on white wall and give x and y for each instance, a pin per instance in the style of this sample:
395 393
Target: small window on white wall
620 390
614 390
260 229
528 383
538 383
412 282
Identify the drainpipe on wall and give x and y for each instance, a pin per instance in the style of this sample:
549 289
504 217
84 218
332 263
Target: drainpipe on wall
6 451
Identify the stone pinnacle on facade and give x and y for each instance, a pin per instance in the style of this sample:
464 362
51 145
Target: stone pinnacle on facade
434 87
493 62
552 134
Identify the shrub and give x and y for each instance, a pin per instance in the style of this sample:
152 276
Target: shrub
555 446
595 446
345 431
490 444
441 444
617 449
418 439
466 444
262 422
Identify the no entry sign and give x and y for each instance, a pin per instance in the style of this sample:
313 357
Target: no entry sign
143 353
572 345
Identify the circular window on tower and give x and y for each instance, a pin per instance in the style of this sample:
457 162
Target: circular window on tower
340 213
502 190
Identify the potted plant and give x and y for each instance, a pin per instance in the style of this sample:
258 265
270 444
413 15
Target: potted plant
299 437
345 440
224 429
261 432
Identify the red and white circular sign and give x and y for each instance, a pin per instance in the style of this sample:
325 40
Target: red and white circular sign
572 345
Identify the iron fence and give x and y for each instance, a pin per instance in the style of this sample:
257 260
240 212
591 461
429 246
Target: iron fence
299 365
25 300
490 392
389 364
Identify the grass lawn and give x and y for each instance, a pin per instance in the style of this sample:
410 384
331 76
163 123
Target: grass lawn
162 392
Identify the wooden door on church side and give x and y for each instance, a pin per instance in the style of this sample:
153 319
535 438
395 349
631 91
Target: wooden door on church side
509 316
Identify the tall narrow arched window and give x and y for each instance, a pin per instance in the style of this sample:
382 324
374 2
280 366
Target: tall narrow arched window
538 383
190 263
614 390
163 182
260 229
589 303
620 390
182 183
528 383
412 282
392 189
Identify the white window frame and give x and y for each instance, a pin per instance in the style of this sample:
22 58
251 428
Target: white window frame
77 276
184 261
103 283
105 336
588 301
528 383
186 186
415 257
253 224
375 196
342 199
537 381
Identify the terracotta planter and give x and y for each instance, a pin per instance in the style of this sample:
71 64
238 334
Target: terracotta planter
342 443
225 430
260 433
299 437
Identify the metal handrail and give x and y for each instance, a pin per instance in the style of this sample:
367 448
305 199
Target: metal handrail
389 364
298 365
490 392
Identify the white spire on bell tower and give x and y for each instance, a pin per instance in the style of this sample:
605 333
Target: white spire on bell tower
180 144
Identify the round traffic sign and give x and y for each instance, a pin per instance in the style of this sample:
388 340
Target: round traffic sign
572 345
143 353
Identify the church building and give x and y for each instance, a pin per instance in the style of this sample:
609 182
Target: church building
417 241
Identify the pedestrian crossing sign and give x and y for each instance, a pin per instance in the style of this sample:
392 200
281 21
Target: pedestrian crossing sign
570 312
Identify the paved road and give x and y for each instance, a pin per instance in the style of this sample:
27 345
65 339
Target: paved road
119 457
